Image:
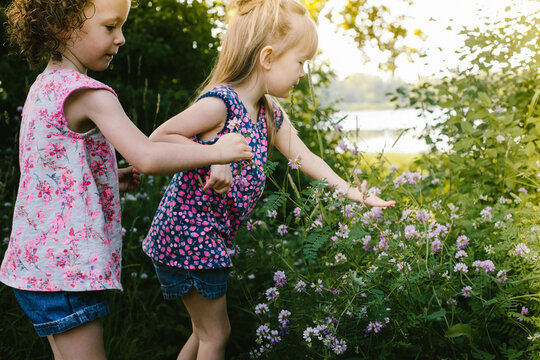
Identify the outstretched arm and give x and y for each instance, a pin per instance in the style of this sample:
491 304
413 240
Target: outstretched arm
147 156
292 147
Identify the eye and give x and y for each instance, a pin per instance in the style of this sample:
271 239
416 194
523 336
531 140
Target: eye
110 27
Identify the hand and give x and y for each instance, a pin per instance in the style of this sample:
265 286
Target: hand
233 147
371 200
220 179
128 179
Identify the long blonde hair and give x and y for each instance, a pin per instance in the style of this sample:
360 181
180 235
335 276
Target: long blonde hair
254 25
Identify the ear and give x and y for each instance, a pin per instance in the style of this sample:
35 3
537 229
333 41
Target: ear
266 56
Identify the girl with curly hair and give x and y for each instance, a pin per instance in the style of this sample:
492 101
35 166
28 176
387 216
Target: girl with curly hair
65 244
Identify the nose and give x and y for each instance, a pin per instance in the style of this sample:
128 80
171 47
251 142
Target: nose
120 39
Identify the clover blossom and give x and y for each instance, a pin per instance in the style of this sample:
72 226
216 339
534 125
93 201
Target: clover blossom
343 231
280 278
422 215
500 139
272 294
436 246
282 230
501 276
365 240
461 267
522 250
466 291
462 242
297 212
295 163
318 287
487 213
261 309
271 214
410 232
283 317
300 286
487 265
374 327
460 254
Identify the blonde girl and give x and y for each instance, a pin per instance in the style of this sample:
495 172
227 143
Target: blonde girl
65 245
191 237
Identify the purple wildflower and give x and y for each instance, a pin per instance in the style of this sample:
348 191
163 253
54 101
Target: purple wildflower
280 278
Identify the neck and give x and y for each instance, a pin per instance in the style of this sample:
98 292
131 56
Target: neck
250 92
67 64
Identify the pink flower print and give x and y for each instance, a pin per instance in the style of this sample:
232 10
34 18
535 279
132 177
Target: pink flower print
40 215
55 150
62 259
98 167
106 198
28 164
29 254
44 190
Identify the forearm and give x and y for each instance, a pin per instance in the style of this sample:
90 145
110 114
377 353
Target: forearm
167 158
318 169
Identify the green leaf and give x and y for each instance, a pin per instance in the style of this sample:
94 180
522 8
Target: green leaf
459 330
436 316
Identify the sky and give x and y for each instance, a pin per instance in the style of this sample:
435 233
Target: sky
441 32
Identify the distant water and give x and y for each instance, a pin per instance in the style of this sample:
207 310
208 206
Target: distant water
386 130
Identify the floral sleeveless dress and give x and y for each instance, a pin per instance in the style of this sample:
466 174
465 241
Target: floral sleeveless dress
194 228
66 232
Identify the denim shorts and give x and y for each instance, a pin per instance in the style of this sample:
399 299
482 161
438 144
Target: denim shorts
54 312
176 282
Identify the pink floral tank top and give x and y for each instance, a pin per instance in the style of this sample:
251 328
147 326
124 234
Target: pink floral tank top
66 232
194 228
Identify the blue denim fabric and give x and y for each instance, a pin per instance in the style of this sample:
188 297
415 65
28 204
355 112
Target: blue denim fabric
54 312
176 282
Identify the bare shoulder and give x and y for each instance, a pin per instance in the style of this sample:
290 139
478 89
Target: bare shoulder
82 105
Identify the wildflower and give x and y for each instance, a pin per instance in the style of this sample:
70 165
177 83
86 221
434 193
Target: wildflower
489 249
272 294
462 242
308 333
365 240
403 265
233 124
461 267
283 317
487 265
297 212
461 254
280 278
271 214
422 215
343 231
486 213
296 163
451 302
261 309
522 250
501 276
347 211
466 291
340 258
499 109
282 230
374 327
410 232
436 246
339 346
393 168
500 139
318 287
522 190
524 310
372 269
342 145
300 286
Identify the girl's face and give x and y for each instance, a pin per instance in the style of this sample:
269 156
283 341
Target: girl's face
286 70
94 45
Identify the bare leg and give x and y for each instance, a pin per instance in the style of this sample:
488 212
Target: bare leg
56 352
190 349
210 325
85 342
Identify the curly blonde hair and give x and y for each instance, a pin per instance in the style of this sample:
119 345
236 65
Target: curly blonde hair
40 28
